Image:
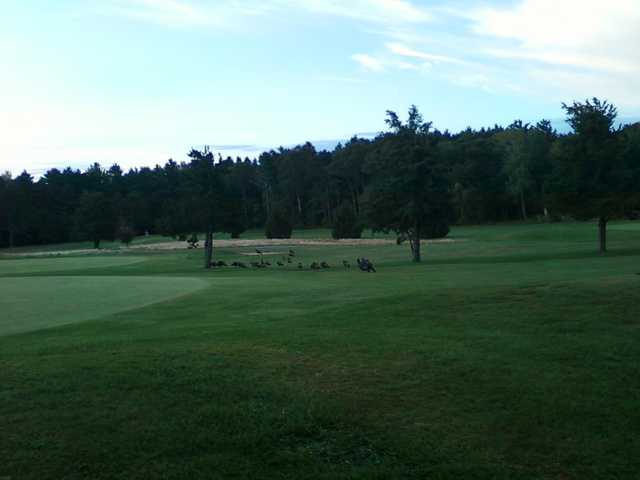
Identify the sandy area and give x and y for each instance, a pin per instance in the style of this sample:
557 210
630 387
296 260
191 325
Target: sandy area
238 243
290 242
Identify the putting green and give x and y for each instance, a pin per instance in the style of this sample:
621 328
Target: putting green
33 303
33 265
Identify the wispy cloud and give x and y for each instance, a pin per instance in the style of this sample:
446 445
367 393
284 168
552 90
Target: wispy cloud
368 62
405 51
224 13
573 46
185 13
374 11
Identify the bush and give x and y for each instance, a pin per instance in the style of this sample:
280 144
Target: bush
435 230
278 225
125 234
346 224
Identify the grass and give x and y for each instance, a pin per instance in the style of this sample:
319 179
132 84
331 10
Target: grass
511 354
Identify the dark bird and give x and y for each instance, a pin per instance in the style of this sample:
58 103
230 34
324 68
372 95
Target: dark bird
315 266
280 264
365 265
300 266
292 253
222 264
325 265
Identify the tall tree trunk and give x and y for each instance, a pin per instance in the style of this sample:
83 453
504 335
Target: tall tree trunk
602 234
523 206
415 245
208 248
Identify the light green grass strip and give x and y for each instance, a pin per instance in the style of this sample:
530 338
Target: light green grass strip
41 302
33 265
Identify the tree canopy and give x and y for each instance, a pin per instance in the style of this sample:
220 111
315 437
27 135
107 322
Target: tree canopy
404 180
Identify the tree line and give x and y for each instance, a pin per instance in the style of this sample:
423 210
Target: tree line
412 179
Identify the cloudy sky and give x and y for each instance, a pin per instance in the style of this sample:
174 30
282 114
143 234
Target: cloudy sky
136 82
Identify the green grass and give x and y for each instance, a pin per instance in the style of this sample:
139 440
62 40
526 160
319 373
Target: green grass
49 264
510 354
33 303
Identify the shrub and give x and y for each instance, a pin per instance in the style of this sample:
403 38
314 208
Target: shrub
125 233
278 224
435 230
346 224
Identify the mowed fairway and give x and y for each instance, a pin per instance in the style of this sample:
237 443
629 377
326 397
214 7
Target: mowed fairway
513 353
33 303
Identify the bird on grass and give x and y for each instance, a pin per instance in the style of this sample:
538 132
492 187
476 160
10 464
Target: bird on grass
280 264
365 265
315 266
325 265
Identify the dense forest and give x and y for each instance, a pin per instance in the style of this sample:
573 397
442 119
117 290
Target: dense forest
412 179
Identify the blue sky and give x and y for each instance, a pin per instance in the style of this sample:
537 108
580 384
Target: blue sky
136 82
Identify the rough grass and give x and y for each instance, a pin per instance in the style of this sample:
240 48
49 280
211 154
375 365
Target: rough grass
511 355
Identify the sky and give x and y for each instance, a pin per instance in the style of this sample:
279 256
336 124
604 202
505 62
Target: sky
136 82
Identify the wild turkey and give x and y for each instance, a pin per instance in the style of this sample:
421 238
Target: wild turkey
325 265
280 264
315 266
365 265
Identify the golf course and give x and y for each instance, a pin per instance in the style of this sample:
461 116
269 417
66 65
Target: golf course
511 352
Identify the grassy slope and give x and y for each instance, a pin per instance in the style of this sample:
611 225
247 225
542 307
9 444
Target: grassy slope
511 354
33 303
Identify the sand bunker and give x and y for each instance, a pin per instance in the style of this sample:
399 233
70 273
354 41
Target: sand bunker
236 243
288 242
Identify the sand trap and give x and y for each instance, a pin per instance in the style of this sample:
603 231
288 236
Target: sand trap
289 242
237 243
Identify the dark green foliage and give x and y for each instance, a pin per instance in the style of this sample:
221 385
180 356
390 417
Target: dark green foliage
96 218
346 223
435 230
125 233
278 224
591 177
409 190
491 175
